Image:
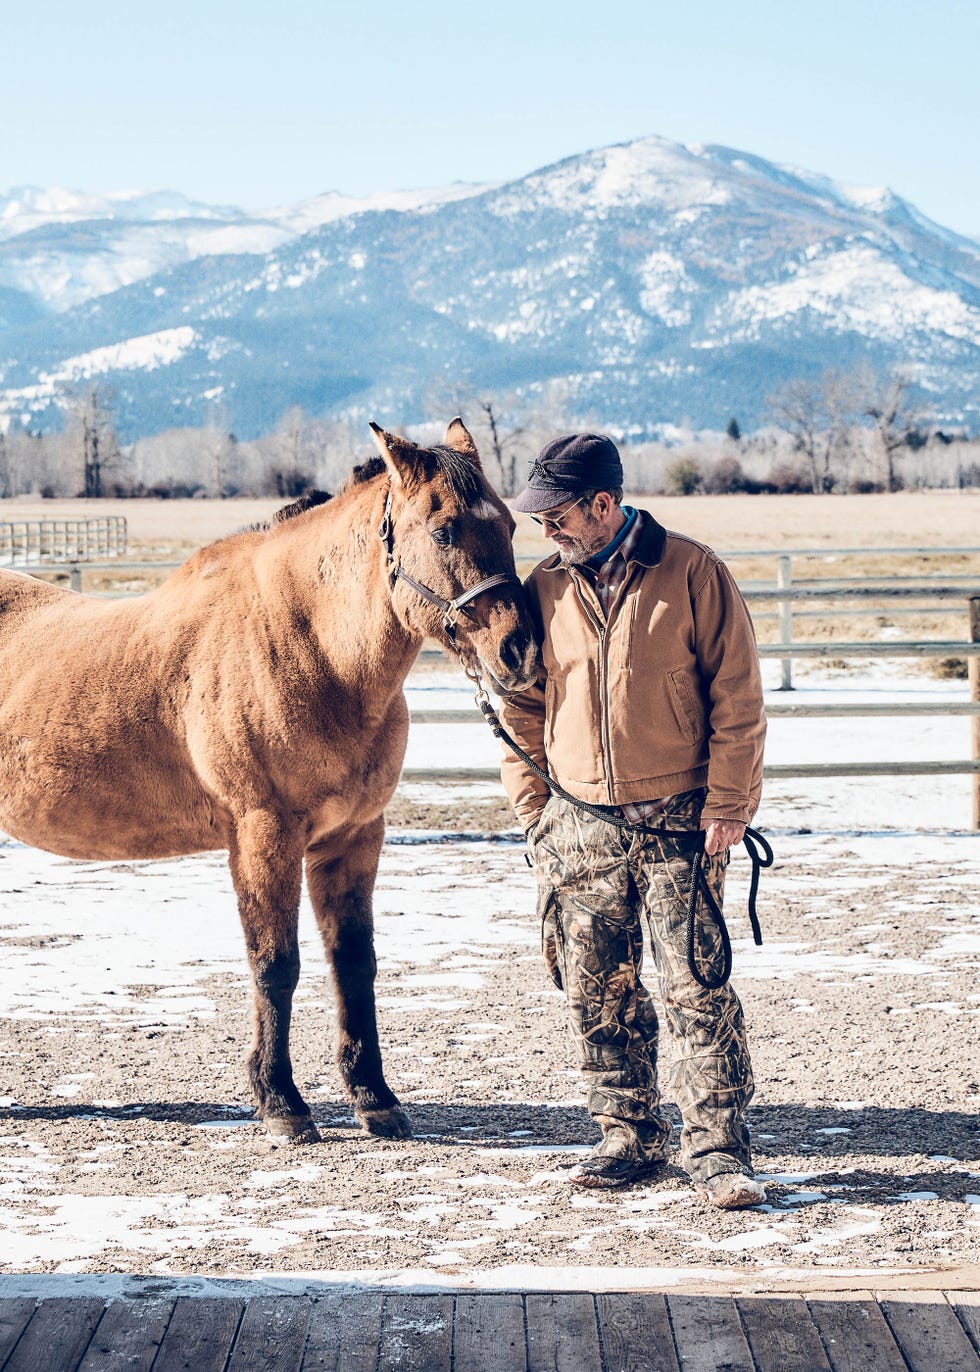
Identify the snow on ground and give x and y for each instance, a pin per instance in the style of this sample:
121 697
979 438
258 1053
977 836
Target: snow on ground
124 1018
865 803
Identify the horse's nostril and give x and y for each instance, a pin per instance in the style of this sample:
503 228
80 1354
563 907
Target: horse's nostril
512 651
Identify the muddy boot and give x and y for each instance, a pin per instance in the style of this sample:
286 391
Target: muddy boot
614 1162
732 1191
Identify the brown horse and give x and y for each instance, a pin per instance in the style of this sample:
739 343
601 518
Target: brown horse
254 702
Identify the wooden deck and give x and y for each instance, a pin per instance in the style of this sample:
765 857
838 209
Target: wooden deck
474 1331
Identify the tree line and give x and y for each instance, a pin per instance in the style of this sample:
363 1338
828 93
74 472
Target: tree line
836 432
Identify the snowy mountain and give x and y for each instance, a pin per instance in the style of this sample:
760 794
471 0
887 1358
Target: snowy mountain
633 286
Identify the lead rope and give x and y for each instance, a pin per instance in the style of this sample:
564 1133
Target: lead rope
756 845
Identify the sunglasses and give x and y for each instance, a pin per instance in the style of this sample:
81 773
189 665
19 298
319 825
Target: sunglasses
556 521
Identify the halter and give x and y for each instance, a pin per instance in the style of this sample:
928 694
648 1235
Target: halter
451 609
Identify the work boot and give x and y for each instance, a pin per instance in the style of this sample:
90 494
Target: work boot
732 1190
614 1162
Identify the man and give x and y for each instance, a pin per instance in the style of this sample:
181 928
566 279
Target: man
649 705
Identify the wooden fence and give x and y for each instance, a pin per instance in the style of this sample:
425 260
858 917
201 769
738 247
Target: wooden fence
785 594
50 544
968 648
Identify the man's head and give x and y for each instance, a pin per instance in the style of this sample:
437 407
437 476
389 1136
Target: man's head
574 490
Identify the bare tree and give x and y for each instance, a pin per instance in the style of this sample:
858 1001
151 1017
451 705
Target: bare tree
220 448
817 414
504 444
502 427
886 405
92 413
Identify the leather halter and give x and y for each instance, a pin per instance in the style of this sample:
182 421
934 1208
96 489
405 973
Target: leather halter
451 609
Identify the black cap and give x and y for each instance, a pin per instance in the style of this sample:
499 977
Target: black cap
566 467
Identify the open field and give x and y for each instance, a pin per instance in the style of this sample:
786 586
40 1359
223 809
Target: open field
917 519
164 530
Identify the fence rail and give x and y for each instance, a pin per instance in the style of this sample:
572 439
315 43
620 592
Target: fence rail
783 595
50 543
787 650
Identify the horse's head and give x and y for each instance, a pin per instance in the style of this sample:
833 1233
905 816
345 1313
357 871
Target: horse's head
450 556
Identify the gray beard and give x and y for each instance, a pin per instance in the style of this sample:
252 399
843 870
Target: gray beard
574 555
578 551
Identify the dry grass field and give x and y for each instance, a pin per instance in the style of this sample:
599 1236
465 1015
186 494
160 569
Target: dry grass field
165 530
910 519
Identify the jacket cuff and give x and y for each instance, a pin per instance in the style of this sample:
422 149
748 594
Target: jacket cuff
742 814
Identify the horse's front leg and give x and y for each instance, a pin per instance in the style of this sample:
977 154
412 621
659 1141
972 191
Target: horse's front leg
266 867
341 883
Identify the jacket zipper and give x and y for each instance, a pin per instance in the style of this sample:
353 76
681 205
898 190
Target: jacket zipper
604 729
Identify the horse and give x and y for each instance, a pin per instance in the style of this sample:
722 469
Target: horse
253 702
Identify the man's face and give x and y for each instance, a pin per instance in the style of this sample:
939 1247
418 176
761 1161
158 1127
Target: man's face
575 530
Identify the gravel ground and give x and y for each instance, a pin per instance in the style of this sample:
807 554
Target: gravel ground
126 1143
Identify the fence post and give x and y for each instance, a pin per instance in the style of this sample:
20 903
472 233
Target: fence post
973 670
784 581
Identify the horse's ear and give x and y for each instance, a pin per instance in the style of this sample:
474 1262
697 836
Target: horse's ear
398 454
459 438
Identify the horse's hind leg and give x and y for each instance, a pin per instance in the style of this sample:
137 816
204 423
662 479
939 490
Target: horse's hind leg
341 883
266 866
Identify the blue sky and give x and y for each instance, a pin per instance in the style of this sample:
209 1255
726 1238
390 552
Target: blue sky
262 103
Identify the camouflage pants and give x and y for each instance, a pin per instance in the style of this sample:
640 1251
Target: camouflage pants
594 881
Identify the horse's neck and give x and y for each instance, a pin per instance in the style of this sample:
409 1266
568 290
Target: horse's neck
331 570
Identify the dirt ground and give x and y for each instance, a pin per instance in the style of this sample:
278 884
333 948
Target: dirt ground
126 1139
126 1143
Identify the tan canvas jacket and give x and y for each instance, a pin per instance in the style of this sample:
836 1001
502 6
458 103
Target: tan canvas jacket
663 696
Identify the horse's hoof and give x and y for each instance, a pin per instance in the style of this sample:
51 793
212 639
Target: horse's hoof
387 1124
290 1129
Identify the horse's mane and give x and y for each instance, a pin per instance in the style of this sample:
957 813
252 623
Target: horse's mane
305 502
464 478
296 507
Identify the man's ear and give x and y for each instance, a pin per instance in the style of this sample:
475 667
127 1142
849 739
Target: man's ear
399 455
459 438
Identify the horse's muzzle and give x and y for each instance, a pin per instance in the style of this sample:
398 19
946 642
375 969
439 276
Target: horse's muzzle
517 664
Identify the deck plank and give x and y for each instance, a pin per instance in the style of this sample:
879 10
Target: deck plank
488 1332
855 1333
967 1307
15 1314
128 1335
416 1334
481 1331
200 1334
562 1335
344 1333
272 1335
781 1334
57 1335
928 1332
635 1331
708 1334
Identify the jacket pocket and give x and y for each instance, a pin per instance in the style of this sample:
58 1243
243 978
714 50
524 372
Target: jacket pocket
686 706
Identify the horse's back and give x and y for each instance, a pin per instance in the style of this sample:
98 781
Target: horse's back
92 763
20 592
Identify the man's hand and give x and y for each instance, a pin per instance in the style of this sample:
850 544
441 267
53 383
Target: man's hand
721 834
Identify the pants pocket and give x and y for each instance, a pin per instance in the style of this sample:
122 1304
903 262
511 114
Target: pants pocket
550 918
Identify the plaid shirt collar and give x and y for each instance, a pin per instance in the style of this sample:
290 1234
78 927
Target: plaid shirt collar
610 575
644 543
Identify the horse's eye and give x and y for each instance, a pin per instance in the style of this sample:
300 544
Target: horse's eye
443 535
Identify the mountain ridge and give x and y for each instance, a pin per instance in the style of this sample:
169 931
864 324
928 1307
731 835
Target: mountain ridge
629 285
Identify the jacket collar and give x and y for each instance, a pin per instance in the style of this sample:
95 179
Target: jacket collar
648 547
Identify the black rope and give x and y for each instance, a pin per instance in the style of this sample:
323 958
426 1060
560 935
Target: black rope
756 845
